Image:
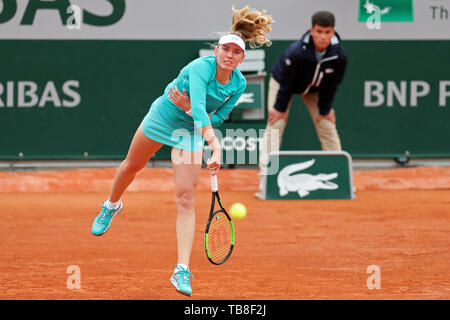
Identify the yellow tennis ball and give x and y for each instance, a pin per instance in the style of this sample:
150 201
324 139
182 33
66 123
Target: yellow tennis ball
238 211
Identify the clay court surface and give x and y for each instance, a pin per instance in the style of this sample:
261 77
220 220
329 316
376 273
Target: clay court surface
298 249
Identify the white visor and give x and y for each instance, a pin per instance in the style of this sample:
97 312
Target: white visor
231 38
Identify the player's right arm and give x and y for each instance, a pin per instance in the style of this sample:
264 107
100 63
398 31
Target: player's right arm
213 163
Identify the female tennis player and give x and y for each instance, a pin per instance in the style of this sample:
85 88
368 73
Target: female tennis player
211 85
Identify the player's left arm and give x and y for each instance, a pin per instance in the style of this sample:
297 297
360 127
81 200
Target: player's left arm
329 89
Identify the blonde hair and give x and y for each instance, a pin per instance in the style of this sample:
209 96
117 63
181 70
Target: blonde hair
252 25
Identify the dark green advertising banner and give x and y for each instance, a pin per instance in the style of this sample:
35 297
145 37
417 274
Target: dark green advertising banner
395 98
77 77
388 10
75 99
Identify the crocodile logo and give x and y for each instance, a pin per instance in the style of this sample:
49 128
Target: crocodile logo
289 180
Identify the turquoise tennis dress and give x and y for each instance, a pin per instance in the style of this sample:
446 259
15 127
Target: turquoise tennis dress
170 125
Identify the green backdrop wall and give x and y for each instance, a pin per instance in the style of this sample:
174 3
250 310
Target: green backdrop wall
76 99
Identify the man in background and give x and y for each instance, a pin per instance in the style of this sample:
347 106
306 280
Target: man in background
313 67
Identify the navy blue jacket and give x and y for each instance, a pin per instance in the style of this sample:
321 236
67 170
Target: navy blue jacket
298 71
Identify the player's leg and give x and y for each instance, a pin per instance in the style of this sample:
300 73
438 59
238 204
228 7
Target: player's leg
326 130
140 151
186 174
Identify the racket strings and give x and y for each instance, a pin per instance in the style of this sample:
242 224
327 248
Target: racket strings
219 237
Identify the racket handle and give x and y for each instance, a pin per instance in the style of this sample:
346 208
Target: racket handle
214 186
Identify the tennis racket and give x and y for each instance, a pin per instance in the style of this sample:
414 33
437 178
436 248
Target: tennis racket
219 233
